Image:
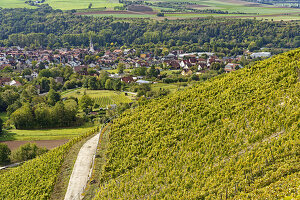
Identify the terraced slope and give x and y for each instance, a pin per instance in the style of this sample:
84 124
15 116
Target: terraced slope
234 137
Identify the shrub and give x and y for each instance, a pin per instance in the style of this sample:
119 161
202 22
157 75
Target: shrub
27 151
4 153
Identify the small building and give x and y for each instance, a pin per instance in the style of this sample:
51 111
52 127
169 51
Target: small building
232 67
15 83
143 82
59 80
186 72
261 55
128 79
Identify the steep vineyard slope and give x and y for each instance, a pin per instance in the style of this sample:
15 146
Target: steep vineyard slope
35 179
233 137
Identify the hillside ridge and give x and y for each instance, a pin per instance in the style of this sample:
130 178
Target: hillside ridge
233 137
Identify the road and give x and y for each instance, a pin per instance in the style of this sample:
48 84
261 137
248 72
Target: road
81 171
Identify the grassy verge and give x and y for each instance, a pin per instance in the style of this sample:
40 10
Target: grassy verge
99 164
46 134
62 181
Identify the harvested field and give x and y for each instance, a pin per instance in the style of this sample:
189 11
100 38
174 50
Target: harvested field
49 144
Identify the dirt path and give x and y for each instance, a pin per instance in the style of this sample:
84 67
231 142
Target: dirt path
81 171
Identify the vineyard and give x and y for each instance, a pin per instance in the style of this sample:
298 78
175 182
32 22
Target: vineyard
36 178
103 98
112 99
235 136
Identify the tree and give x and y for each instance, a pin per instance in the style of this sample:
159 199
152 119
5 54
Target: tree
117 85
120 68
71 109
9 96
45 84
1 125
92 83
43 116
85 103
108 84
4 153
45 73
23 118
216 66
28 151
53 97
58 114
152 72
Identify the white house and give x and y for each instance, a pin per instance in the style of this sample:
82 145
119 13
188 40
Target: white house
261 55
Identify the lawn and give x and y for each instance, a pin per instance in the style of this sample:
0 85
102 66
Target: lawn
173 87
46 134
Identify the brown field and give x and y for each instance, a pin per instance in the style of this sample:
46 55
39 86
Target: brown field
140 8
49 144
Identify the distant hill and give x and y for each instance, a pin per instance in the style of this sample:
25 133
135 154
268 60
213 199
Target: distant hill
233 137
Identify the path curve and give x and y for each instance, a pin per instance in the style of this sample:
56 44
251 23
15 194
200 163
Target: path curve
81 171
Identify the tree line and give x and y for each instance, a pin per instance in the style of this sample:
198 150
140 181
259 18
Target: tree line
48 28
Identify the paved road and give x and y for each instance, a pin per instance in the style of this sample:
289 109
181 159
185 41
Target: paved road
81 171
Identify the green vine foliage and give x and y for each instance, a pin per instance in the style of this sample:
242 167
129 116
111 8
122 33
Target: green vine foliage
235 136
36 178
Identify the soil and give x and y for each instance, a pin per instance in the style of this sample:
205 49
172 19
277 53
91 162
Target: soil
49 144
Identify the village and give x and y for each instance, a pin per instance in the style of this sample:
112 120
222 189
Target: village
16 59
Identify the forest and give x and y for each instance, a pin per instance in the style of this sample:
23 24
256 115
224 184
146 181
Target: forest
48 28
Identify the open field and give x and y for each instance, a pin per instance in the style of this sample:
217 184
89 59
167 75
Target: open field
173 87
46 134
101 8
63 5
13 4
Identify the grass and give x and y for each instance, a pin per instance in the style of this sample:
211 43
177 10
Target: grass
14 4
173 87
82 4
228 5
62 181
46 134
69 91
63 5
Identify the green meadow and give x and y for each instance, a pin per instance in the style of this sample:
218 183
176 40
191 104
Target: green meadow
232 6
46 134
63 5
